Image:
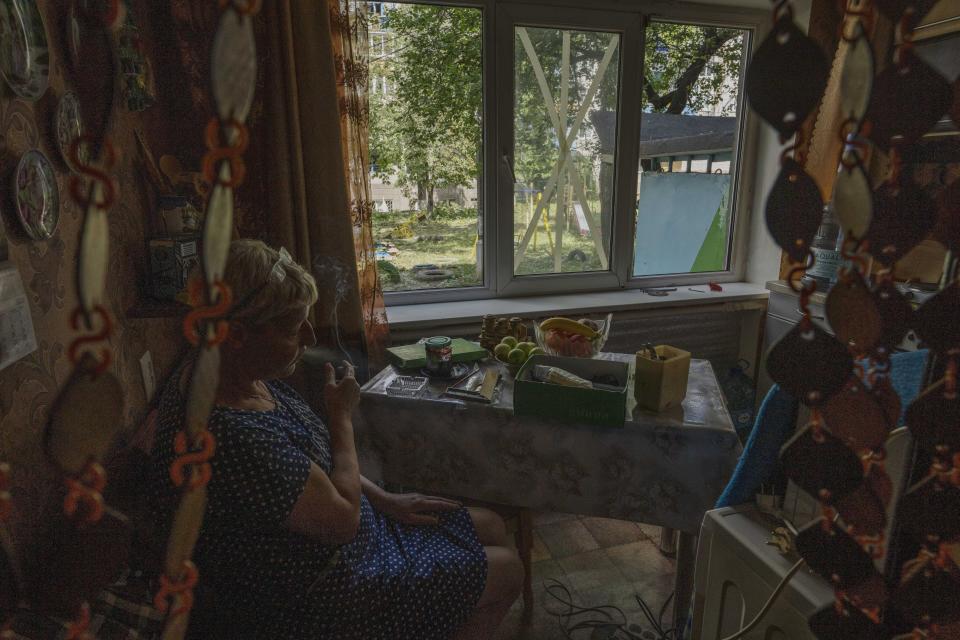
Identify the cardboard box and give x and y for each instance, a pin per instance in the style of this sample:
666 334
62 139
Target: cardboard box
661 384
571 404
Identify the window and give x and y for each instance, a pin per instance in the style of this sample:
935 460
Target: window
568 149
426 125
684 213
565 85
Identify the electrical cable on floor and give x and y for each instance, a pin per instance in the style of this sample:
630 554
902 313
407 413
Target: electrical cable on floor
577 618
656 623
559 591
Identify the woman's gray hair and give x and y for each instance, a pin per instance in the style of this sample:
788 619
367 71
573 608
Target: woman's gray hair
267 284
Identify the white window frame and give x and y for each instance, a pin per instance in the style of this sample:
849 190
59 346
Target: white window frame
496 182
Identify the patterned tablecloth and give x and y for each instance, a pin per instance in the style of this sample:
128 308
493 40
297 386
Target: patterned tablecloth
664 469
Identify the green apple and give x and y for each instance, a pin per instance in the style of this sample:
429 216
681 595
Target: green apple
510 341
517 356
526 346
536 351
500 351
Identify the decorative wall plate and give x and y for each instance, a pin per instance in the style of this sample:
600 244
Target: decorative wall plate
68 125
37 195
24 55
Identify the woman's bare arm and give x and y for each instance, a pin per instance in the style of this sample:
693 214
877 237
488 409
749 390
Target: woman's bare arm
329 507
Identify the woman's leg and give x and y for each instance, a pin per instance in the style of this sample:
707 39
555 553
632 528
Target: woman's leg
490 527
504 583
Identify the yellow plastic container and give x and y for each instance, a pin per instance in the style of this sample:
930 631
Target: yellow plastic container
661 384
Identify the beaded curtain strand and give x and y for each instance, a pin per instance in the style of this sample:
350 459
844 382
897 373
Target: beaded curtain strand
233 71
839 455
87 413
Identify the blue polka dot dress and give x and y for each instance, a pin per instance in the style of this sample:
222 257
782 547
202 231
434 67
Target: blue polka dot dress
393 581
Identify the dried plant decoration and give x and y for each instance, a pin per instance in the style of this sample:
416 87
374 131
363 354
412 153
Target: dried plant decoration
909 97
794 210
933 418
846 621
858 417
853 314
793 63
821 464
896 314
937 320
807 349
853 195
947 228
895 9
928 594
882 389
856 75
903 216
835 555
865 508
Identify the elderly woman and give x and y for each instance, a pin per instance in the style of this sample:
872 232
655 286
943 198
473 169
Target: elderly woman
295 542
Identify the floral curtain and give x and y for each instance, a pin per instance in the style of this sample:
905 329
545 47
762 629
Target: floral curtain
316 195
348 25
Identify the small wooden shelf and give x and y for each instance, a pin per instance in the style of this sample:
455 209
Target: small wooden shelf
151 308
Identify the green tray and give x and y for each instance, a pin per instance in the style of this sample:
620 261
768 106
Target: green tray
414 356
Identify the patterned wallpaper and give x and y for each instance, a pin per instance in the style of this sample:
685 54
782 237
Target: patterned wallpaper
176 37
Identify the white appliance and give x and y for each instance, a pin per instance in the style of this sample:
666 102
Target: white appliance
736 573
737 570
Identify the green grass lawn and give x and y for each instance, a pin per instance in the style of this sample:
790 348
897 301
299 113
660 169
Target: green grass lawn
448 241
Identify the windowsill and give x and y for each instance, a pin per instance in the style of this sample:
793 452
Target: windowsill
441 313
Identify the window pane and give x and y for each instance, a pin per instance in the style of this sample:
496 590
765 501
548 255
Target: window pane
690 118
564 124
425 144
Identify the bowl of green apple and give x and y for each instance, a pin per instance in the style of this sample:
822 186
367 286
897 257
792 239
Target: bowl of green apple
513 353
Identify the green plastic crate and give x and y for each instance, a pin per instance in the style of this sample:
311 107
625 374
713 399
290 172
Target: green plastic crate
572 404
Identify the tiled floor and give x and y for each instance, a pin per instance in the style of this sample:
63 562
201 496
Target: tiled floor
601 562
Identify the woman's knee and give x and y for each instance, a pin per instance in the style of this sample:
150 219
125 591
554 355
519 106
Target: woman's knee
490 527
505 575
